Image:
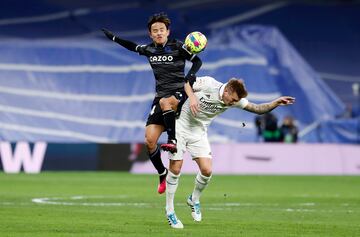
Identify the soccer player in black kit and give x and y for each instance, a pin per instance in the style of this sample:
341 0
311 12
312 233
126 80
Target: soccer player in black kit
167 59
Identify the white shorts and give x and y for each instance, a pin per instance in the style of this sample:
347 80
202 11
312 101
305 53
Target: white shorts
196 145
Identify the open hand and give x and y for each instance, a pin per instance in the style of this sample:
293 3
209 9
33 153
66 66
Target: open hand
285 100
194 105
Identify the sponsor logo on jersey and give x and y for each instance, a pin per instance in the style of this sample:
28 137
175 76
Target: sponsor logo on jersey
208 106
161 58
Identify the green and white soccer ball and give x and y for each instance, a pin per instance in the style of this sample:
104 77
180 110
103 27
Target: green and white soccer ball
195 42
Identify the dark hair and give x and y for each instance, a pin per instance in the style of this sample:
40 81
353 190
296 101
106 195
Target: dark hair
159 17
237 86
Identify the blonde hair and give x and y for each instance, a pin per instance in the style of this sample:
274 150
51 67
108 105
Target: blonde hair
238 86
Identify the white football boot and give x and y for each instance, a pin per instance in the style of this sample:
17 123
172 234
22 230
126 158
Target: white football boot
174 222
195 209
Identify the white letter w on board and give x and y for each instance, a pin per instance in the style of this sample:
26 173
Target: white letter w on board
22 156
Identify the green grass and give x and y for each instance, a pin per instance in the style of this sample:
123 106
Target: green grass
231 206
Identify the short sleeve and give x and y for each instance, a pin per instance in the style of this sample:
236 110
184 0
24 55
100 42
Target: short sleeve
205 83
242 103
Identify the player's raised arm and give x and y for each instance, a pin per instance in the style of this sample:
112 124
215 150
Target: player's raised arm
267 107
191 75
193 58
125 43
189 81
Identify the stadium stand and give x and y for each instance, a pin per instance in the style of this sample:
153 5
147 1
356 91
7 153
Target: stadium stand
62 81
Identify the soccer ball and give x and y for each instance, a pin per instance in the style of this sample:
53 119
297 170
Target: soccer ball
195 42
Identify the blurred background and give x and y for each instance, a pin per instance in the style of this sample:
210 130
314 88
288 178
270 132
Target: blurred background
70 99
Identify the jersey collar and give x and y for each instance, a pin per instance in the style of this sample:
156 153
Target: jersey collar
161 45
221 91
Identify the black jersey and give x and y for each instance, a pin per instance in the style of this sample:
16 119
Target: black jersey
168 64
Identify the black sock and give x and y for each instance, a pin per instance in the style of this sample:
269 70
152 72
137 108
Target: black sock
169 121
155 158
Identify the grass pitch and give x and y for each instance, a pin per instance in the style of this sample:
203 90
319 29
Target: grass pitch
121 204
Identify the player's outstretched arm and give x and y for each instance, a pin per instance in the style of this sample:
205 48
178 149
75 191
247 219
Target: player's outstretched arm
267 107
125 43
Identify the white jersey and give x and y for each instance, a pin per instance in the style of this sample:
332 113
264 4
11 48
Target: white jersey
209 93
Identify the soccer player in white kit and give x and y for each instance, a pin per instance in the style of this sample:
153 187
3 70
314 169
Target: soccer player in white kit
191 133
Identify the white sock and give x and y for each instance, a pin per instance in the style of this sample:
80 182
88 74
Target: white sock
172 181
201 182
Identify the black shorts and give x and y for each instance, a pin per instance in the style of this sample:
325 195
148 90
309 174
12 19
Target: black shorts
156 115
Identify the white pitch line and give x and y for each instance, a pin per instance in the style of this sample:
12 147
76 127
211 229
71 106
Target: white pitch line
226 206
307 204
58 201
14 204
299 210
95 204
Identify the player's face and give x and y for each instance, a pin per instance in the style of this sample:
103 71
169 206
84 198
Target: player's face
158 33
229 97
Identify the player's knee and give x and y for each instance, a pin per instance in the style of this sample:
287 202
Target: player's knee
175 170
164 103
175 166
168 103
207 171
150 144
